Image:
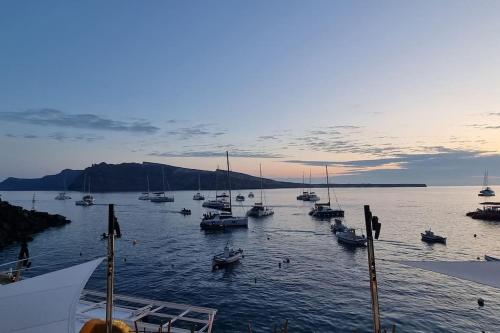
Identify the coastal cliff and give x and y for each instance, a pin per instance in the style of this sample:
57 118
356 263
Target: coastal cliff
18 224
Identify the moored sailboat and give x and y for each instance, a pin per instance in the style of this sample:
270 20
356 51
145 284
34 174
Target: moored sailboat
198 195
259 210
486 191
161 196
324 210
222 220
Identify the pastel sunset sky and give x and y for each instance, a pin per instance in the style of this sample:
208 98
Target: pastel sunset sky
382 91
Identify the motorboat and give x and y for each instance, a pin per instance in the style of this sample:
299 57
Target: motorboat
338 226
161 197
429 237
222 220
185 211
87 200
250 195
198 196
240 197
349 237
490 258
486 191
228 257
62 196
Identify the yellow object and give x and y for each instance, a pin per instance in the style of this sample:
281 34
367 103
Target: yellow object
99 326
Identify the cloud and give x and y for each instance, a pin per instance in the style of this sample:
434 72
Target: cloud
61 137
443 166
200 130
219 153
53 117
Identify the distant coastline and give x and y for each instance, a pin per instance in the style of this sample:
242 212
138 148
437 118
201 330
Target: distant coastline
132 177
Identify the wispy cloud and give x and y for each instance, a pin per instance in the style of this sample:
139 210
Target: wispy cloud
58 136
53 117
199 130
220 153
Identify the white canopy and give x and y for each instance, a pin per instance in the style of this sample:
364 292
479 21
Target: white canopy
45 303
482 272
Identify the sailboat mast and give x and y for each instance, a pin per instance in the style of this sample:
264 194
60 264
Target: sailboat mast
199 184
327 184
89 184
163 178
260 170
229 181
310 182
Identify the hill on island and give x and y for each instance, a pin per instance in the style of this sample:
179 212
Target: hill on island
105 177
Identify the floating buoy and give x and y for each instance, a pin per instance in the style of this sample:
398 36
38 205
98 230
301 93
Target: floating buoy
287 260
80 254
268 238
475 235
134 242
124 259
279 265
480 301
478 258
255 280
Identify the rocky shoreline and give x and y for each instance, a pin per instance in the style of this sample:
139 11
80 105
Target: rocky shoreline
18 224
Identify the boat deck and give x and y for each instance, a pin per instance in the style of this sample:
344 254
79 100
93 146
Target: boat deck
145 315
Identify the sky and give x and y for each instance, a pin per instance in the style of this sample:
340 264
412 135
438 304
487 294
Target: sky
381 91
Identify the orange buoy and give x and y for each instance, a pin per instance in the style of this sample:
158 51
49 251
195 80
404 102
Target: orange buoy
99 326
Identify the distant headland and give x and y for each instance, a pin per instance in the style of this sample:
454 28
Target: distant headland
128 177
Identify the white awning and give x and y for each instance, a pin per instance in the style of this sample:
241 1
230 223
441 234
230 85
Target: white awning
45 303
482 272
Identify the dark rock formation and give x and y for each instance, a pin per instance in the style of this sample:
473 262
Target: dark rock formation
17 224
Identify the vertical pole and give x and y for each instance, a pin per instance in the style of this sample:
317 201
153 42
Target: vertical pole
372 271
229 181
328 184
110 270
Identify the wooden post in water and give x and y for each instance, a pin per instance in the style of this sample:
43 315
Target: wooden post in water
110 269
372 271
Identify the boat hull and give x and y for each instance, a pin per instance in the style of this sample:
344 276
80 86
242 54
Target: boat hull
220 224
433 239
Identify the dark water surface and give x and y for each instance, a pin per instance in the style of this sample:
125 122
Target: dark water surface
325 286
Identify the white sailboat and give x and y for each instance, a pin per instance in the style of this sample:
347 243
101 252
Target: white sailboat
161 196
145 195
311 196
63 195
88 199
198 195
259 210
222 220
486 191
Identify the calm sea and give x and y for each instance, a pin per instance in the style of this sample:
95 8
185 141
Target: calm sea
325 286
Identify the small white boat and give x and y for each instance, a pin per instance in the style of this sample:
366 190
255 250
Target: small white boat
250 195
62 196
429 237
240 197
217 204
228 257
350 238
304 196
338 226
490 258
